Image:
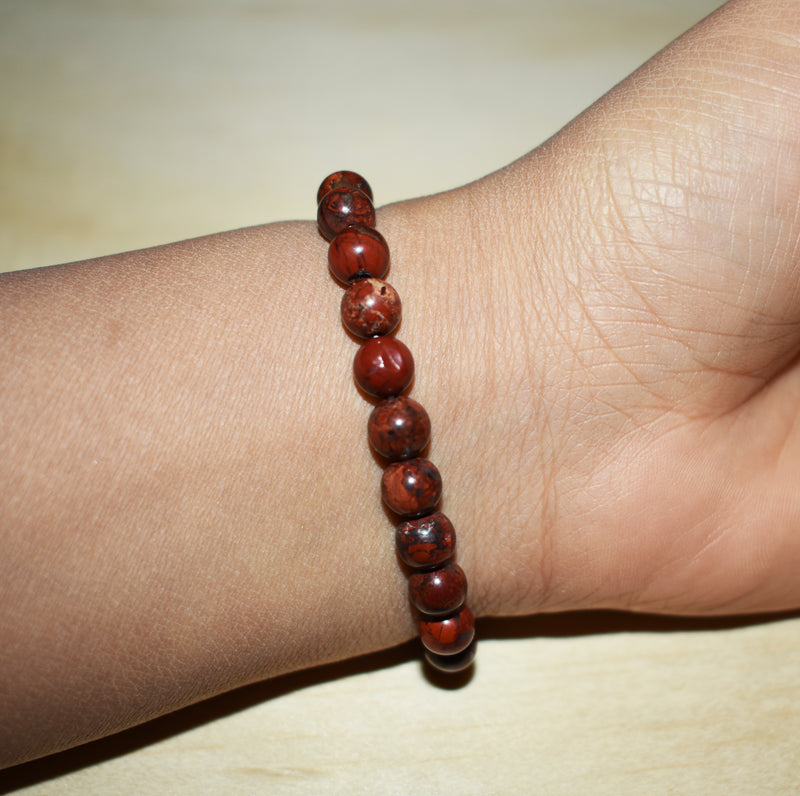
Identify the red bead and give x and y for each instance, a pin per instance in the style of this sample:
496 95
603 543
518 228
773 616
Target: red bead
347 180
450 635
411 488
383 367
427 541
440 591
370 308
399 428
358 252
452 663
340 209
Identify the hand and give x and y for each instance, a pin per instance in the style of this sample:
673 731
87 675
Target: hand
634 410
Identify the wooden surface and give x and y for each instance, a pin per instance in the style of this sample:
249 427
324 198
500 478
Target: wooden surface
130 124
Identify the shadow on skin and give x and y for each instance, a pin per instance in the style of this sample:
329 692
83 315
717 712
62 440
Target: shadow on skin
566 625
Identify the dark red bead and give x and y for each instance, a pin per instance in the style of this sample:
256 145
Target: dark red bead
450 635
452 663
371 308
383 367
439 591
340 209
399 428
411 488
358 252
426 541
347 180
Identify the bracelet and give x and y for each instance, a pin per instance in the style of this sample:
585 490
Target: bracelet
399 427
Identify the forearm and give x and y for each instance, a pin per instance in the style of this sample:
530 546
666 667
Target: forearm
190 502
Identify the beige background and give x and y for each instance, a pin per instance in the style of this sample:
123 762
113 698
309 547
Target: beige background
127 124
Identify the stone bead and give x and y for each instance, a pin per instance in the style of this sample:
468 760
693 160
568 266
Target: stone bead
452 663
399 428
370 308
383 367
450 635
412 487
347 180
358 252
440 591
339 209
426 541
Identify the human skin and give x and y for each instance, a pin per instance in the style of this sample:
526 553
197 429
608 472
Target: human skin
605 334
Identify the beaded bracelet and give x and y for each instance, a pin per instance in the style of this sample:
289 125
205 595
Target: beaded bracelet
399 427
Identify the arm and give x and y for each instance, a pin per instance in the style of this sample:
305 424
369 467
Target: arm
188 502
604 334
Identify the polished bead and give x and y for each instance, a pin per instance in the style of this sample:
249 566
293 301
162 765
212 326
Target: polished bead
426 541
452 663
340 209
383 367
371 308
412 487
358 252
399 428
439 591
450 635
347 180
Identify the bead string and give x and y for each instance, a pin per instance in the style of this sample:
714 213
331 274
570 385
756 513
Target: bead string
399 427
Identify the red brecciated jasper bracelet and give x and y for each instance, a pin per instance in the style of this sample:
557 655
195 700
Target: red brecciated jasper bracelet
398 428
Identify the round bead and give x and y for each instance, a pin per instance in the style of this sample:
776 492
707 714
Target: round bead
450 635
411 488
371 308
340 209
383 367
399 428
427 541
440 591
347 180
357 252
452 663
